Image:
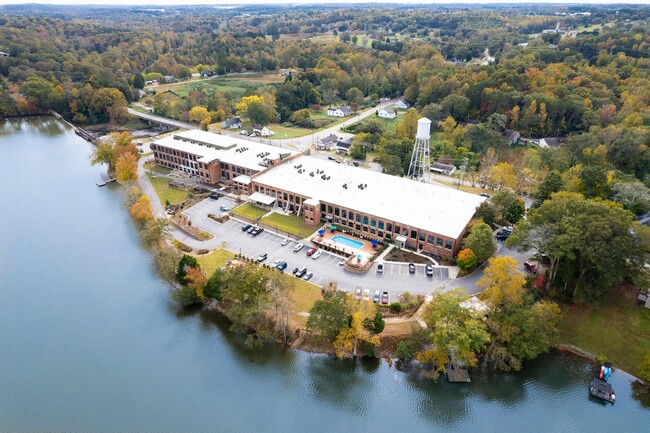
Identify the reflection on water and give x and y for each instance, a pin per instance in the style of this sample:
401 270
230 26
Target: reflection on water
91 340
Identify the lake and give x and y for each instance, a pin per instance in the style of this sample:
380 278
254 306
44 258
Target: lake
90 340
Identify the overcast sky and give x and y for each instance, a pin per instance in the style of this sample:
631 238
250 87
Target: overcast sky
288 2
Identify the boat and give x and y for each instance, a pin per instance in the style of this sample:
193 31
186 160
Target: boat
603 390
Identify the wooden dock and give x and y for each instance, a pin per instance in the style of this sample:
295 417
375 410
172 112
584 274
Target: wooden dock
105 182
457 374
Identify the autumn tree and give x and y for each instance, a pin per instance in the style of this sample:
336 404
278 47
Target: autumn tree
502 282
184 264
330 315
346 343
196 280
126 168
199 114
408 127
466 259
142 211
480 240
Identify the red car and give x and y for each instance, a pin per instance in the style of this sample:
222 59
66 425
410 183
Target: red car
530 267
311 251
384 298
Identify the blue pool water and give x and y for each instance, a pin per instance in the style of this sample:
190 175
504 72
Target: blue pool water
347 241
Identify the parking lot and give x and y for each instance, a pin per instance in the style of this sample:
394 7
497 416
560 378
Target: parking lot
395 279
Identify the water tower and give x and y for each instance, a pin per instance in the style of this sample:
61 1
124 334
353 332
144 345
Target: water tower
420 167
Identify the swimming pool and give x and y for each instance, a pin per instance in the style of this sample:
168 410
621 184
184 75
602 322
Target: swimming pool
347 241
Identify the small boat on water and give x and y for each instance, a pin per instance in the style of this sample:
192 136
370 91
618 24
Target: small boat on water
600 388
603 390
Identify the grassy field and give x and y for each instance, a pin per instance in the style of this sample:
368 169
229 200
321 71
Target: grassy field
157 168
236 84
165 192
617 329
215 260
291 224
248 211
304 295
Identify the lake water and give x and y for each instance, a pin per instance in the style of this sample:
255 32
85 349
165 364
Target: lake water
91 342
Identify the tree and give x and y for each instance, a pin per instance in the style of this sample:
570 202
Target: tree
408 127
354 95
40 92
644 369
634 196
455 330
126 168
185 296
195 279
104 153
466 259
502 282
346 343
329 316
480 241
376 324
199 114
141 210
487 213
357 151
552 183
508 206
156 231
138 81
184 264
503 175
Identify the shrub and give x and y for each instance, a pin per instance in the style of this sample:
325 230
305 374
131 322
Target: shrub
395 307
185 296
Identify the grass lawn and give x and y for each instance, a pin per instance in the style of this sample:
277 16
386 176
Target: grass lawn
157 168
397 255
249 211
292 224
165 192
235 83
304 295
215 260
466 187
617 329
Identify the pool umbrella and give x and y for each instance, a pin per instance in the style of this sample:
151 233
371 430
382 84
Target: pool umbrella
332 228
358 257
374 242
321 232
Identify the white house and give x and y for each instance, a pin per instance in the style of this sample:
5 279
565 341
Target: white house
343 146
338 112
196 75
447 169
402 104
552 142
233 123
326 143
262 131
386 113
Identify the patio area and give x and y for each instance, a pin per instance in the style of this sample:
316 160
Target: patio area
345 244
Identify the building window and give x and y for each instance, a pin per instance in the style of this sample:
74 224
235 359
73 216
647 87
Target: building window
373 231
351 216
405 231
398 229
336 211
439 243
389 227
358 227
344 213
350 224
421 237
448 245
329 208
337 220
373 222
257 188
358 218
381 225
430 239
365 229
380 234
365 220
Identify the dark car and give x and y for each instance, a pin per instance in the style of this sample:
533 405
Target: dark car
503 235
355 163
257 231
429 269
411 268
246 227
331 158
485 194
214 196
282 266
295 270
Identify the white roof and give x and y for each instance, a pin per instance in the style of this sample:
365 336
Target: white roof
242 178
261 198
210 147
431 207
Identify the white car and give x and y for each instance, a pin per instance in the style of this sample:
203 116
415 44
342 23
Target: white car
366 294
342 262
297 248
284 242
276 263
317 254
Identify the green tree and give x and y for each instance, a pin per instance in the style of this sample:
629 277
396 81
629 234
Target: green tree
357 151
40 92
184 264
552 183
644 369
487 213
329 316
185 296
156 231
480 240
375 324
354 96
138 81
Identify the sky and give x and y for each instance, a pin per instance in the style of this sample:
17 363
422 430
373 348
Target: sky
288 2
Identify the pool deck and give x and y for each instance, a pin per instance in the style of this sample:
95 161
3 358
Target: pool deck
366 250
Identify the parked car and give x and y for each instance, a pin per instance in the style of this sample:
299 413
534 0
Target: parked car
262 257
331 158
429 269
411 268
503 235
295 270
485 194
317 254
301 272
276 263
246 227
384 298
366 295
508 229
530 267
308 276
257 231
376 297
311 251
380 268
224 208
297 248
282 266
357 294
214 196
251 229
342 262
285 242
355 163
244 132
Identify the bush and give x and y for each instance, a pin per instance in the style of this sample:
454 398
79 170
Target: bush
395 307
185 296
414 343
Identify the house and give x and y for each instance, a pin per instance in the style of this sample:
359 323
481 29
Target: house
196 75
168 79
338 112
402 104
326 143
3 54
552 142
207 73
512 136
150 82
234 123
386 113
262 131
344 145
441 168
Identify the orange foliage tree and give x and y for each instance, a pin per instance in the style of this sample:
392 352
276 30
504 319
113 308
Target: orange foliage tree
141 210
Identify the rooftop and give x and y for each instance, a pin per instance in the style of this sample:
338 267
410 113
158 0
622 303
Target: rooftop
436 208
211 147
